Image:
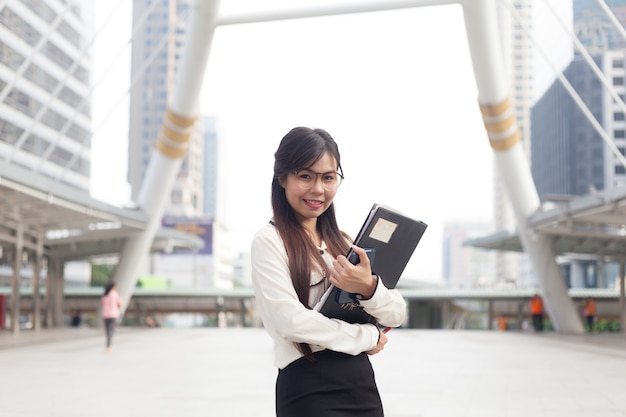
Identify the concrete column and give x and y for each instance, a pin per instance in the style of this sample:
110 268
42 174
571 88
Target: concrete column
446 308
50 293
244 312
16 280
419 314
57 314
600 264
622 297
490 314
37 263
577 274
54 293
47 303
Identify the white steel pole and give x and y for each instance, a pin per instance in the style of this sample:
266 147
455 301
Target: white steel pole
504 138
327 9
172 142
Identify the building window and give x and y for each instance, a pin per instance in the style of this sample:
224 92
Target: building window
176 197
597 153
618 80
620 169
597 171
618 115
618 63
619 134
9 133
18 26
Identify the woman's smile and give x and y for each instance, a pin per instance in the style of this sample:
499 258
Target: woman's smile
314 203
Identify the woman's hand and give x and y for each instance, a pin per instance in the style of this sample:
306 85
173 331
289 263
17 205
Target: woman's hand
357 278
382 341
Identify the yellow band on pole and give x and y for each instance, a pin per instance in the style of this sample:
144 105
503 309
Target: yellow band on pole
499 120
489 110
174 136
173 143
500 126
171 151
179 120
505 143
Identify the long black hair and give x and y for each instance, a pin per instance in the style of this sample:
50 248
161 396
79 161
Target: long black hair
108 287
301 148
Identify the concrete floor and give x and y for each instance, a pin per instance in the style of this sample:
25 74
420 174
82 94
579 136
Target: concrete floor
229 372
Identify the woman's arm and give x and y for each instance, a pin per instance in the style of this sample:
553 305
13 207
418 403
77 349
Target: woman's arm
283 314
387 306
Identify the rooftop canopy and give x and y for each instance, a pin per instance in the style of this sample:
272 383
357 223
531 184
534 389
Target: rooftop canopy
594 224
69 222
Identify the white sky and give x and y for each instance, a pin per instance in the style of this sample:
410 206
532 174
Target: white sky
395 89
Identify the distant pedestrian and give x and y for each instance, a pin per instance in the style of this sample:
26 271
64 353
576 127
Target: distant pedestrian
589 311
76 319
111 305
536 311
503 323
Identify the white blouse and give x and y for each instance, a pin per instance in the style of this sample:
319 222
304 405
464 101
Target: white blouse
288 322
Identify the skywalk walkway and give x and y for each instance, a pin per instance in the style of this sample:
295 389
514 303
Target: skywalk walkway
229 372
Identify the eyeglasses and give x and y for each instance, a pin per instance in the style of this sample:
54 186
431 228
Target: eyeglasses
306 179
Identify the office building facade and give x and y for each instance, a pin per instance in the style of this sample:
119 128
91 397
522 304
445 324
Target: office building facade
521 23
466 267
45 114
573 158
159 28
594 28
570 157
518 59
194 201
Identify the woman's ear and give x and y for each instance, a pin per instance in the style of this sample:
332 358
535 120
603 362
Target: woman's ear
281 181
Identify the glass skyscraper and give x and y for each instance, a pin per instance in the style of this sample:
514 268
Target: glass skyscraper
159 29
45 115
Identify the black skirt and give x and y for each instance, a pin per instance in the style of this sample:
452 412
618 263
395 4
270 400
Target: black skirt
335 385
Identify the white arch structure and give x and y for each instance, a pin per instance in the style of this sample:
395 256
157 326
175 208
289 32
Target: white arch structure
493 98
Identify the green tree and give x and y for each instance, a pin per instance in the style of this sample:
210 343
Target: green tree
101 274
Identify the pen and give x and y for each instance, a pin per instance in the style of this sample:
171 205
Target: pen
386 329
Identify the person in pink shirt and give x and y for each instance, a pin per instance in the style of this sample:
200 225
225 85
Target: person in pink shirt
111 305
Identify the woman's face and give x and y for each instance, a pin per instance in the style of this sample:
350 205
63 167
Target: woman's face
309 204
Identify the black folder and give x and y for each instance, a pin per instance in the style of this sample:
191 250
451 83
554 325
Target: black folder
393 237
